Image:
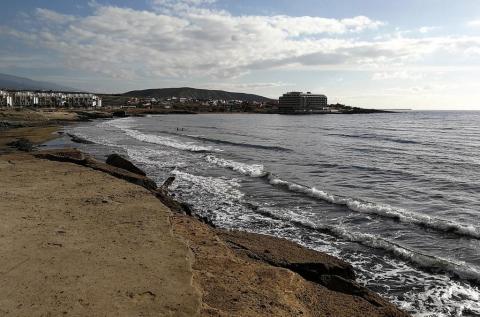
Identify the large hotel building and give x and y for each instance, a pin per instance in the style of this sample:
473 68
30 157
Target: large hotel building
299 103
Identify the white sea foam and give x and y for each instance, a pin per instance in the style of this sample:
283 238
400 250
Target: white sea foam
382 210
126 124
170 142
255 170
226 189
455 268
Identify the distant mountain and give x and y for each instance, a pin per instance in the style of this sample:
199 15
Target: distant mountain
186 92
20 83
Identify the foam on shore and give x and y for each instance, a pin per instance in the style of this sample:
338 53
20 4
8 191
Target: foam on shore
424 261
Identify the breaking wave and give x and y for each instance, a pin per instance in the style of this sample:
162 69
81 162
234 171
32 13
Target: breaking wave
356 205
255 170
255 146
381 210
170 142
375 137
424 261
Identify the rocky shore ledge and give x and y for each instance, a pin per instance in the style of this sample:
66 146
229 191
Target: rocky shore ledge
86 238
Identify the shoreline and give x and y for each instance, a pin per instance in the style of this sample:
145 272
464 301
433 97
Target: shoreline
238 273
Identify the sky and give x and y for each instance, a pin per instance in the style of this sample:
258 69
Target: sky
418 54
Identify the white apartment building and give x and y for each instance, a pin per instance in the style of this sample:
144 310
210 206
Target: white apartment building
5 99
49 99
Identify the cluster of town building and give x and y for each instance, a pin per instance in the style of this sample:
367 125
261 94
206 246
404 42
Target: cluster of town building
289 103
10 98
180 100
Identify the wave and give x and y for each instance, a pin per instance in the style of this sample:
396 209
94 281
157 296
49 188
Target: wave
376 137
381 210
421 260
125 125
356 205
255 146
255 170
157 139
218 141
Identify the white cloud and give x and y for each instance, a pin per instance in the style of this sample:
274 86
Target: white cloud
177 7
53 17
474 23
405 75
206 43
427 29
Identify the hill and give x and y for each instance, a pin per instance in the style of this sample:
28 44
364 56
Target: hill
21 83
186 92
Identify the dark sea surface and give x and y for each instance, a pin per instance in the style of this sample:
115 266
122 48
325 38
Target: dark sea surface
397 195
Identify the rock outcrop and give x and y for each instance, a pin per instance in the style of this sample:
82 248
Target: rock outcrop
310 264
77 157
237 277
323 269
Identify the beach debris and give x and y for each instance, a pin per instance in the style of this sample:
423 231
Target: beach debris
121 162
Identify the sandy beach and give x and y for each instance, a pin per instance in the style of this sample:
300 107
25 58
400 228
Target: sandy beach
82 238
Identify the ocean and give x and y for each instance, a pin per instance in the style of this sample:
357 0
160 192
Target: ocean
396 194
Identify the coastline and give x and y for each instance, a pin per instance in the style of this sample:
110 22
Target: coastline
234 273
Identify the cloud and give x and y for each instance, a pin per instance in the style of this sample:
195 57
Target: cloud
405 75
474 23
427 29
53 17
202 42
179 6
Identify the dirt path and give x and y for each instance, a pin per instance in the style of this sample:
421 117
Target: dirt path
76 242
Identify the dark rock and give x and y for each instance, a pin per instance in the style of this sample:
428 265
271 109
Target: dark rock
90 115
120 114
187 209
78 139
169 201
205 220
342 285
121 162
168 182
11 125
22 144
